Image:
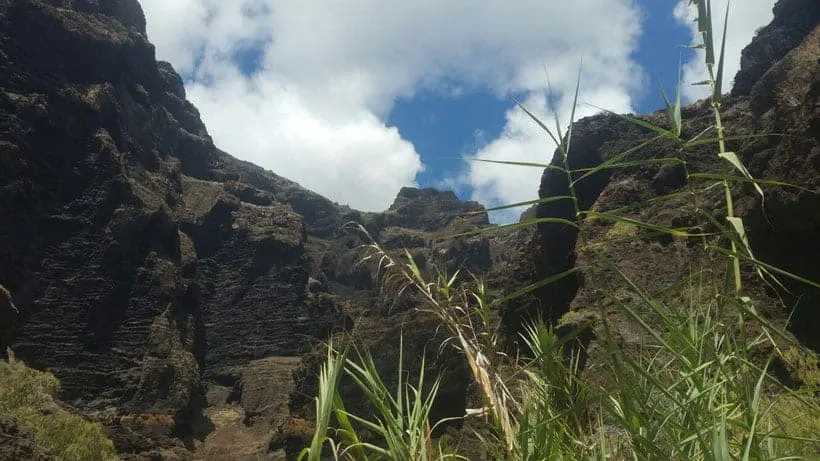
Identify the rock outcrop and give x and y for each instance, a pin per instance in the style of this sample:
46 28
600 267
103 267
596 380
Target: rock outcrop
776 92
18 443
147 265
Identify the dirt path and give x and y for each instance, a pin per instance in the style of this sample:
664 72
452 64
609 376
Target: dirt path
246 416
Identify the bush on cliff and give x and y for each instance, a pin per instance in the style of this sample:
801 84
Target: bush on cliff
28 396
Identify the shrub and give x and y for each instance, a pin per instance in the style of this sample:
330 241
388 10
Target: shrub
29 397
697 384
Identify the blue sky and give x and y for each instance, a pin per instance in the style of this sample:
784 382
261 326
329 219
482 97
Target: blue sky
357 98
444 127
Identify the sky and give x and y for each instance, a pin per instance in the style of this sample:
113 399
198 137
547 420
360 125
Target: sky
355 99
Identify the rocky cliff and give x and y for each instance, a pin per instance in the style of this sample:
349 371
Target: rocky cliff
774 110
148 266
173 288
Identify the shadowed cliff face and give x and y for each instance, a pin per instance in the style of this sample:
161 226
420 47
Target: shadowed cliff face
149 267
785 230
89 244
777 91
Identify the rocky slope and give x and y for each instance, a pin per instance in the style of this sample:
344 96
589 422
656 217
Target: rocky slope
154 274
777 92
173 288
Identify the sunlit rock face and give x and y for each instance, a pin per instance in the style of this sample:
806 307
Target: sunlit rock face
777 91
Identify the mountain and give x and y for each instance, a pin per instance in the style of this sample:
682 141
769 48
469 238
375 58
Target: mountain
773 116
178 293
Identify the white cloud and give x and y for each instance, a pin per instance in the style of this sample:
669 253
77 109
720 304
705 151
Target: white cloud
315 109
744 19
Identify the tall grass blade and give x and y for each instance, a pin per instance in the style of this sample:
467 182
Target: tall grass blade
527 164
534 286
720 441
764 265
699 140
673 109
615 159
554 198
541 124
705 27
642 123
519 225
732 158
768 182
329 377
347 432
634 222
574 106
717 96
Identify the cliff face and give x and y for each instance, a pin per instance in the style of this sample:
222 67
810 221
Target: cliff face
90 251
153 273
776 92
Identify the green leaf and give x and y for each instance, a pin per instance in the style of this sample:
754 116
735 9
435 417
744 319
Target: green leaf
616 158
541 124
699 135
732 158
767 266
348 433
705 27
720 443
696 141
644 124
739 238
534 286
634 222
768 182
574 105
652 161
518 225
673 110
754 406
737 225
528 164
717 96
554 198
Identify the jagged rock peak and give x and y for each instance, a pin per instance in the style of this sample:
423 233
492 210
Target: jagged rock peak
128 12
432 209
793 21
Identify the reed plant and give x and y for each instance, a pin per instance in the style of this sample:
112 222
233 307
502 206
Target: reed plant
700 384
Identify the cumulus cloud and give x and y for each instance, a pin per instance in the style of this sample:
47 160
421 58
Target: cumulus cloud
305 88
744 19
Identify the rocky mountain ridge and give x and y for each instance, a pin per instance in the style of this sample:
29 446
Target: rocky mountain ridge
151 270
773 110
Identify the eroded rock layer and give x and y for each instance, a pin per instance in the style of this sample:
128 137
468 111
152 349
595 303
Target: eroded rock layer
148 266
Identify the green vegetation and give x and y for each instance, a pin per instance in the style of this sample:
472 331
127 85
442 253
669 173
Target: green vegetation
698 384
622 230
29 397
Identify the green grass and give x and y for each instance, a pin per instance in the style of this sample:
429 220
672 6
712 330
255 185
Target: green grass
29 397
694 388
695 382
622 230
400 428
